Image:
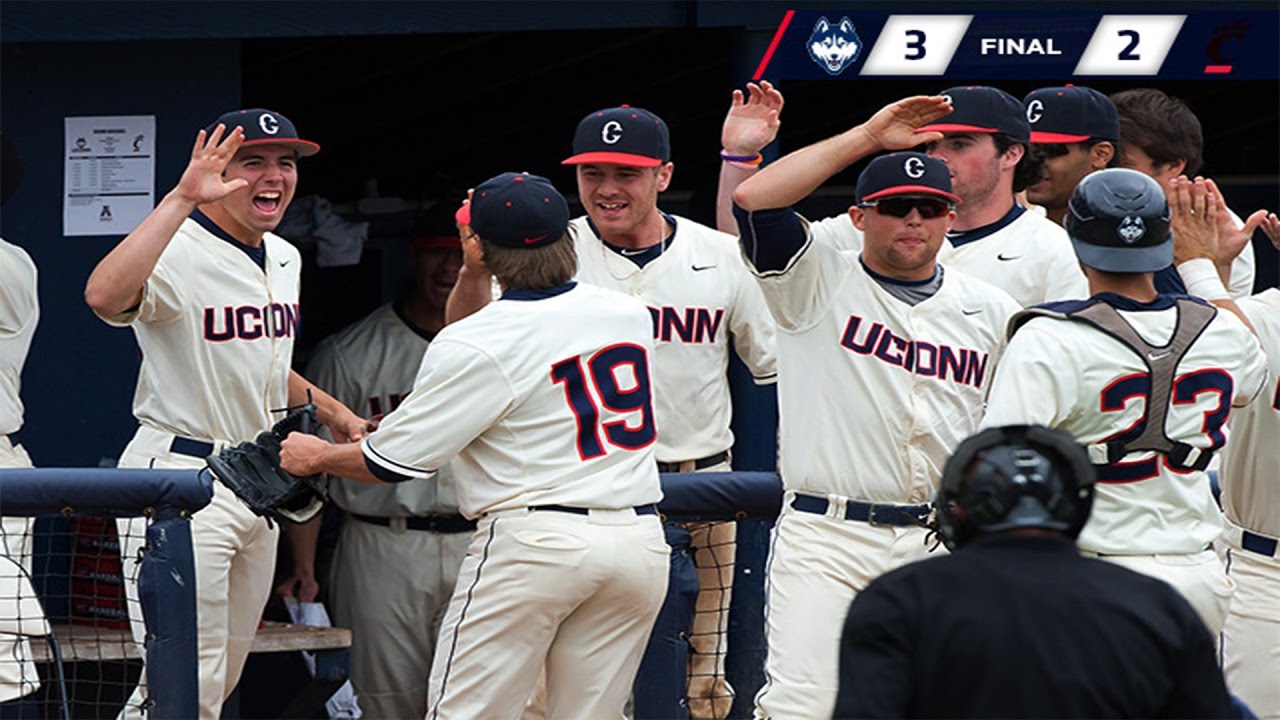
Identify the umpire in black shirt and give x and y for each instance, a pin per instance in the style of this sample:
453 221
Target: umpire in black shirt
1015 623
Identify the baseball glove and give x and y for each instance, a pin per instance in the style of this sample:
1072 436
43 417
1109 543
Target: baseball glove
252 471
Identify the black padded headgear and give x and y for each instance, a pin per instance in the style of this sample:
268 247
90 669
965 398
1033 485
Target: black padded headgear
1018 476
1118 220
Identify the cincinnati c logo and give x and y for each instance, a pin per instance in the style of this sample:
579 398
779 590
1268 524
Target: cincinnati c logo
611 132
1035 111
947 98
913 167
268 123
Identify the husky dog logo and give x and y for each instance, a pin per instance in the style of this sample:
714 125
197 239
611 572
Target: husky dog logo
1131 229
833 48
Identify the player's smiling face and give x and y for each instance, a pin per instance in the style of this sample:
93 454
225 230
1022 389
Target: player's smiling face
620 199
905 248
272 174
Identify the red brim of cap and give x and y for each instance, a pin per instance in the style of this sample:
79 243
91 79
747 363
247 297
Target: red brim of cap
613 159
305 148
1052 137
953 128
448 242
463 216
912 190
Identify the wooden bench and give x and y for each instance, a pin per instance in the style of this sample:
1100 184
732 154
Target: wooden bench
85 643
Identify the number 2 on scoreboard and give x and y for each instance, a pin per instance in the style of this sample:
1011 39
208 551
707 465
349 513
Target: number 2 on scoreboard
1128 52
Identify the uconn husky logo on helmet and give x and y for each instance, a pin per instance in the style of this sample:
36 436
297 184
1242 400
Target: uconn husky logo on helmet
833 48
1131 229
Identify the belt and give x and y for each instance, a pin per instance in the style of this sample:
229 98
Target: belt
640 509
1258 543
194 448
892 515
437 523
698 464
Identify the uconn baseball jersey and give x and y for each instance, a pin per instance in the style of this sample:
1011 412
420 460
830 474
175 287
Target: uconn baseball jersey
19 313
1070 376
1024 253
216 333
1250 474
1250 479
698 293
543 397
20 613
370 367
876 393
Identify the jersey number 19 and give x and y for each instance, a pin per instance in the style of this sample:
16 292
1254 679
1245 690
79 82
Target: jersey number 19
598 385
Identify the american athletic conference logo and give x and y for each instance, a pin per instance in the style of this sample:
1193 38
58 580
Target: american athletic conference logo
834 47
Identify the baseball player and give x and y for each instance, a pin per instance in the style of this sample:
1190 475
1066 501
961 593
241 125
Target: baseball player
701 299
1075 129
1250 481
983 141
405 539
884 357
1145 381
544 397
212 297
20 614
1161 137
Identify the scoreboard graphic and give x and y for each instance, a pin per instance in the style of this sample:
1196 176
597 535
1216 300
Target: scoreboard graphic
835 44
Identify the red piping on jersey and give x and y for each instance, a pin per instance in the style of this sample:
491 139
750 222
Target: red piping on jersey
773 45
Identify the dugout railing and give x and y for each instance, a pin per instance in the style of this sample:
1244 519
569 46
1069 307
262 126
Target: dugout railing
56 498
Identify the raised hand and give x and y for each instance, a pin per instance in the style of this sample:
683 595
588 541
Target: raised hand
1231 239
753 120
894 126
1194 207
202 181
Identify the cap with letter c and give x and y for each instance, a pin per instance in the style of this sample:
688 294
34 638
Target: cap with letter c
263 127
1070 114
622 136
982 110
904 173
516 210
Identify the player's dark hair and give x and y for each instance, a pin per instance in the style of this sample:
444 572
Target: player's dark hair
1029 169
1161 126
532 268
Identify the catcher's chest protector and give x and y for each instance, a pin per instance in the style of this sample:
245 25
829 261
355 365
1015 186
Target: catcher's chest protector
1162 364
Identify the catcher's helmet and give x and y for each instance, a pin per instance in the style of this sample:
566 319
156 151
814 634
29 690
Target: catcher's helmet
1118 221
1018 476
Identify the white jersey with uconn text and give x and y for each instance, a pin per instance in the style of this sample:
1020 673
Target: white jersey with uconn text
1071 376
216 334
544 398
906 383
698 292
1030 258
19 313
1250 474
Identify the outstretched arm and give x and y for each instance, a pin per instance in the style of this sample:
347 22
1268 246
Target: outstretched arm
750 125
793 177
116 283
345 425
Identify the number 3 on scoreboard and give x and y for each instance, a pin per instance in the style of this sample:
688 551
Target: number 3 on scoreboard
601 376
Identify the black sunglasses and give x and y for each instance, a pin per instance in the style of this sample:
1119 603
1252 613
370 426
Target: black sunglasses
929 208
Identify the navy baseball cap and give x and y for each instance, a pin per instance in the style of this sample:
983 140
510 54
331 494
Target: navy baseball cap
981 109
516 210
622 136
262 127
1071 113
904 173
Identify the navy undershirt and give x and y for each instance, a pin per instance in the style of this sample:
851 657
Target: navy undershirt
257 254
543 294
961 237
643 256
